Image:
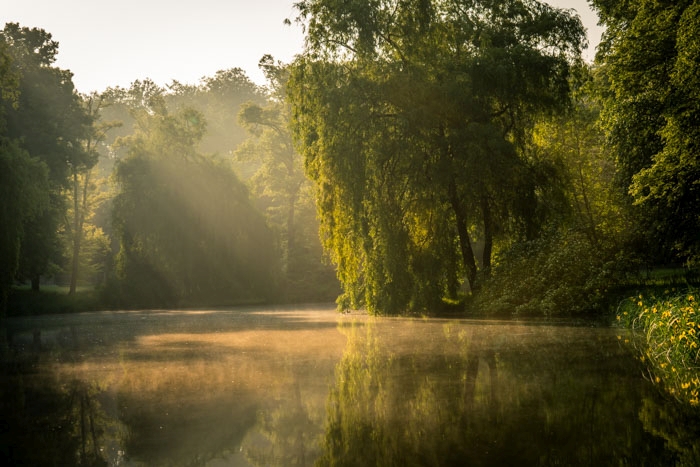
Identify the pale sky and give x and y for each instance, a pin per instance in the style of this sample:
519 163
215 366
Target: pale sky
113 43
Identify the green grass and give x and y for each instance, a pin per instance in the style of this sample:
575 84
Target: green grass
670 325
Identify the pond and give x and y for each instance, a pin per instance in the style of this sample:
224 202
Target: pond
307 386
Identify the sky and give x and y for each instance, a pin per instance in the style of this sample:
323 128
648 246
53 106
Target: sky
113 43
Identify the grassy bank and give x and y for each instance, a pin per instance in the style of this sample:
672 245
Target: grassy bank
51 300
669 323
55 299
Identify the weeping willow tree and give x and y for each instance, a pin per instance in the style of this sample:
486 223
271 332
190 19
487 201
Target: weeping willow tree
412 117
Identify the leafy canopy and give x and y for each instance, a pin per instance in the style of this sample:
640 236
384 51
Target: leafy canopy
412 117
651 113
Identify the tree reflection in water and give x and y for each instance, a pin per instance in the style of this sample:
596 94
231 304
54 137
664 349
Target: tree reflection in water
46 422
679 428
286 435
316 388
477 398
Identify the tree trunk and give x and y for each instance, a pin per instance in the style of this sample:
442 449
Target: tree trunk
472 371
74 266
77 231
490 358
83 427
488 235
591 228
35 282
464 242
291 244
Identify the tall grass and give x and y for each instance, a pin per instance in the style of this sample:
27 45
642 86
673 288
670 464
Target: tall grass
670 325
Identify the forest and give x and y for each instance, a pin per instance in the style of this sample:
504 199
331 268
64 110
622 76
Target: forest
418 157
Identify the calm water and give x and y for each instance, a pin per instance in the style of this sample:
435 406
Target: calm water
254 387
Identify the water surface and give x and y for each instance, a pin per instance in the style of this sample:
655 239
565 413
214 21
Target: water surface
307 386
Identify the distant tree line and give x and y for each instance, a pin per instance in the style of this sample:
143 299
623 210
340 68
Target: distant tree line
154 195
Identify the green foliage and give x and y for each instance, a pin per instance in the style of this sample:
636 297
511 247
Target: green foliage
572 144
187 230
584 256
9 76
649 57
412 117
48 117
218 98
87 243
560 274
45 117
670 325
283 192
24 180
24 191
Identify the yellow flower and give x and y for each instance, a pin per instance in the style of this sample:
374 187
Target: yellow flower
685 385
690 298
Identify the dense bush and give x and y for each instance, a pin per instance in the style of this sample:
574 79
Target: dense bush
563 273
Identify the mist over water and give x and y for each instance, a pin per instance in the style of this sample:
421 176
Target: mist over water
416 158
305 386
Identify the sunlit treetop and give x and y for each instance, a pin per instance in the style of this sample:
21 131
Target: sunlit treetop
391 28
31 43
412 117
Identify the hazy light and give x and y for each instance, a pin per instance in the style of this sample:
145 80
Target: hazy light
113 44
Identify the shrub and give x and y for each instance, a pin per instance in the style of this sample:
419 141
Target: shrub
563 273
